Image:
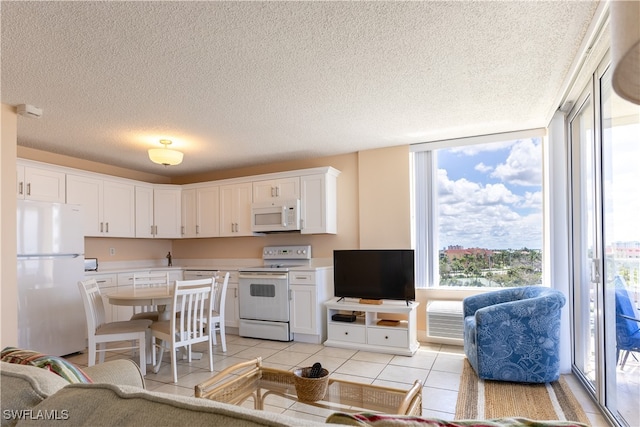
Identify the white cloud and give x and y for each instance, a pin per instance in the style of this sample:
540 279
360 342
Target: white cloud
522 166
481 167
476 215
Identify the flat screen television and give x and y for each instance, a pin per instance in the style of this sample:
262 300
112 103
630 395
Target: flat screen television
374 274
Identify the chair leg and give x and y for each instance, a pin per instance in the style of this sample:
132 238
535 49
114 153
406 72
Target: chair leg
223 338
142 342
92 352
174 364
156 368
103 350
211 355
624 359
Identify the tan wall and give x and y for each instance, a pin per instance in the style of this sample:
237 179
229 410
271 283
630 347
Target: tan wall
385 199
8 264
126 249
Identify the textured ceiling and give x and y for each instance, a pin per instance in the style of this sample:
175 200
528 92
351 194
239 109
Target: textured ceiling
241 83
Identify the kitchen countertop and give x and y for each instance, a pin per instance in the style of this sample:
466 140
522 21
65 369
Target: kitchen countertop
201 264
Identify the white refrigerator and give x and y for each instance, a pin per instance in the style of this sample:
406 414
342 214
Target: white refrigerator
50 244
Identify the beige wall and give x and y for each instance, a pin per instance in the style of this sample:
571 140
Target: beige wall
8 264
126 249
385 199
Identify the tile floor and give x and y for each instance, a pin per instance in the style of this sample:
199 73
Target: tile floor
438 366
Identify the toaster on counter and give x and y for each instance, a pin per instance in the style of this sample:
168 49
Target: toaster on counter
91 264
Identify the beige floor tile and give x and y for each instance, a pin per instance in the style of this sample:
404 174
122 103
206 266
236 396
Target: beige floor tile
437 399
361 369
366 356
286 357
443 380
403 374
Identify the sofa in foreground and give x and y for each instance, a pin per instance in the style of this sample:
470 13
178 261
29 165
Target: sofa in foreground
32 396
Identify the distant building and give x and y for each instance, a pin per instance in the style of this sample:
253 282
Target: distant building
458 252
624 249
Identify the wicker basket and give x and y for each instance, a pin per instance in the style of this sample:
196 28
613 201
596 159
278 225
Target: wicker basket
310 389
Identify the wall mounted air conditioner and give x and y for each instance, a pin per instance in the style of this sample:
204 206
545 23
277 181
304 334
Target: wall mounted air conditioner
445 322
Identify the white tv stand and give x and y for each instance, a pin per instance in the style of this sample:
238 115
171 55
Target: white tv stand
368 332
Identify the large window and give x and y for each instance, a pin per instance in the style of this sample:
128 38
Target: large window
478 218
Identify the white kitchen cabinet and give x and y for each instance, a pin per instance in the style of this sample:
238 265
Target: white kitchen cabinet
158 211
201 211
390 327
318 203
39 183
235 209
309 290
285 188
188 216
108 206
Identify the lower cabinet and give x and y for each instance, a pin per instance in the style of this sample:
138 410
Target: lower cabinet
231 304
308 290
390 327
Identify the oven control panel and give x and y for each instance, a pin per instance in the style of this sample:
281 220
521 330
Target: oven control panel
287 252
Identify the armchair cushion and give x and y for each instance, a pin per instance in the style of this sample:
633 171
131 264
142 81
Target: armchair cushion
513 334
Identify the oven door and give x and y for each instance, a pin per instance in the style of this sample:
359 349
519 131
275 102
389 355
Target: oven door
264 296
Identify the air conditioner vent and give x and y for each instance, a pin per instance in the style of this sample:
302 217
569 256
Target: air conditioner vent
445 322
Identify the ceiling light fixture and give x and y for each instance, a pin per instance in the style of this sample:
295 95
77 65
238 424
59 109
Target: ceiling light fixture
625 49
165 156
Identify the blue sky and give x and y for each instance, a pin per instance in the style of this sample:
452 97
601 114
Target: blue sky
490 195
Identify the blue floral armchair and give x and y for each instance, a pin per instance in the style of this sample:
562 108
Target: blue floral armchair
514 334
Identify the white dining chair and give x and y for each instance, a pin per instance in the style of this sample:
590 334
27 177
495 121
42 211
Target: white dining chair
191 313
217 315
100 332
149 281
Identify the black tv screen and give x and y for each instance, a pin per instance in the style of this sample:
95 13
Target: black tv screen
374 274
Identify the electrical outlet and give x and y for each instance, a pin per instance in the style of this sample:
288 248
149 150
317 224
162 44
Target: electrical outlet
112 251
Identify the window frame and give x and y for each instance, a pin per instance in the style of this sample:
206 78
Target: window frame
425 202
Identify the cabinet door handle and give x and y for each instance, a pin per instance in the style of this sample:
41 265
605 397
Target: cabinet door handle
182 229
197 229
277 191
21 188
28 189
106 227
301 224
151 230
102 227
235 293
273 193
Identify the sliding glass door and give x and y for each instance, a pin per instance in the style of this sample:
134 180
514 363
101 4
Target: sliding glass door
605 176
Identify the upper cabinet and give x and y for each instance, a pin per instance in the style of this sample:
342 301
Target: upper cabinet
120 207
108 206
40 183
235 209
284 188
158 211
318 203
201 211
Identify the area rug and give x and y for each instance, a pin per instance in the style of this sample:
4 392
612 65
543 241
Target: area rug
479 399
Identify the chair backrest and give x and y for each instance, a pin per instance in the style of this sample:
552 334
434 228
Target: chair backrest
220 295
193 299
148 280
93 304
626 328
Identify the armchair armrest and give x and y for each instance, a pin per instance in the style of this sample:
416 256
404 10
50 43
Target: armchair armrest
117 372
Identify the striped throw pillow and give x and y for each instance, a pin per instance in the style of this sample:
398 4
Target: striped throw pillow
55 364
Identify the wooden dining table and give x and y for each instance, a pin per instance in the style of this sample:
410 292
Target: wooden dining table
141 297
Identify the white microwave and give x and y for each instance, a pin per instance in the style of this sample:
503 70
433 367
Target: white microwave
280 215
